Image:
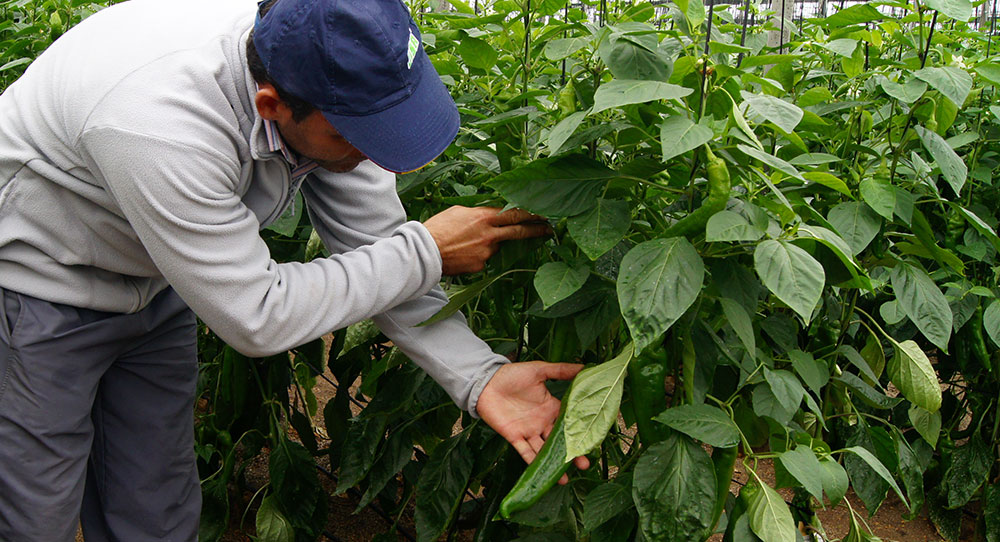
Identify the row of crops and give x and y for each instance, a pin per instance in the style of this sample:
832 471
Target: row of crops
798 238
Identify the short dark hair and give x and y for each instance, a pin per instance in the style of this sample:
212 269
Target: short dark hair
299 107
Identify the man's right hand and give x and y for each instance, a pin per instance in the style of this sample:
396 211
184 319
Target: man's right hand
468 236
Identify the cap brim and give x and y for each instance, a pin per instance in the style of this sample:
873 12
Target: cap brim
410 134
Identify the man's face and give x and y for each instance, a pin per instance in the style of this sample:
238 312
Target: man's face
315 138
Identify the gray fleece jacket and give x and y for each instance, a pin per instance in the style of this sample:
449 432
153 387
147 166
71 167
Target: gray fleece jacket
132 157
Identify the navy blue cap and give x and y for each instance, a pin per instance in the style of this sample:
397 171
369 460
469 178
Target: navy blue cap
362 64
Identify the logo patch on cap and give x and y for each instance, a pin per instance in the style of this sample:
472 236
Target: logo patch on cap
411 49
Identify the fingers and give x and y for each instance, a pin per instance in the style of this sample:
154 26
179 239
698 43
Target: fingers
522 231
581 463
513 216
536 443
524 450
558 371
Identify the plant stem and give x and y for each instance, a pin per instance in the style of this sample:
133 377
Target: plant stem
927 48
527 69
743 32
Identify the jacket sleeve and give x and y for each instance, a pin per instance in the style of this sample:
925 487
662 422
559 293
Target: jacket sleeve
361 208
181 202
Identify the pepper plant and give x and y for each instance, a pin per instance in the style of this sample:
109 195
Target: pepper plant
783 254
803 240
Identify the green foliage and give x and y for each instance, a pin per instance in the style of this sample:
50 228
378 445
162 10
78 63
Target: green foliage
838 314
818 311
28 27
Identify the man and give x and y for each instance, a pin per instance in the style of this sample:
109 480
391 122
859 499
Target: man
139 158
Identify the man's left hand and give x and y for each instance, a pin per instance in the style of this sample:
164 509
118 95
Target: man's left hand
517 405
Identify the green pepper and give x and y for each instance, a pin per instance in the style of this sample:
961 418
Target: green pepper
562 340
510 324
543 473
719 184
567 99
954 230
647 373
978 342
724 460
931 123
922 230
688 361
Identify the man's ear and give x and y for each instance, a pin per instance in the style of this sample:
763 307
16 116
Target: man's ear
269 104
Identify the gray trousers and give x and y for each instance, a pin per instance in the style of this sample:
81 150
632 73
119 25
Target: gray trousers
96 422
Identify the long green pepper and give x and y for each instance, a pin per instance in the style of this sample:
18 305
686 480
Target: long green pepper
541 474
719 185
647 374
979 349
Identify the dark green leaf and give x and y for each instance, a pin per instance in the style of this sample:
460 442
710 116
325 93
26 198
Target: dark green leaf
295 481
214 510
791 274
955 83
775 110
395 455
911 372
991 512
953 168
923 302
477 53
771 160
878 468
604 503
629 60
765 404
738 318
702 422
928 424
272 526
844 46
814 373
912 474
835 481
730 226
785 387
441 487
562 48
770 517
553 509
679 134
554 187
561 132
674 490
555 281
363 438
658 281
869 394
599 229
991 321
856 14
970 465
856 223
907 93
879 195
805 467
459 297
619 92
